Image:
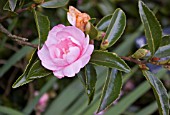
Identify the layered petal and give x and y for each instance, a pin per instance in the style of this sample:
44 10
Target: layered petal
74 53
75 67
59 74
45 58
51 39
76 33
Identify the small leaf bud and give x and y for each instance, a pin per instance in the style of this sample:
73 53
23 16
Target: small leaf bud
140 53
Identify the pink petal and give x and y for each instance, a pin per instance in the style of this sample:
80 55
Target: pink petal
74 40
85 44
75 67
72 69
54 52
73 54
60 62
76 33
45 58
51 39
86 57
59 74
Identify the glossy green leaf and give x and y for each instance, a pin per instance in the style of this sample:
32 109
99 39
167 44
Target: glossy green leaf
165 40
111 90
116 27
159 92
109 59
88 77
163 51
82 76
6 7
43 26
137 93
92 32
12 4
152 27
104 22
37 71
23 78
54 3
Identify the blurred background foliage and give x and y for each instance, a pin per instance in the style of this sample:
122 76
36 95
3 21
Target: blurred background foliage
67 95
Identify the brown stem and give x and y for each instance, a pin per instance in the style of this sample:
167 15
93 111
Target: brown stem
133 60
18 39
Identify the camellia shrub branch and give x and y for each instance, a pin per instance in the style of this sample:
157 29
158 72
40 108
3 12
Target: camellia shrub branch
76 50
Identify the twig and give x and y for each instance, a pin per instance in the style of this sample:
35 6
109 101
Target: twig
134 60
18 39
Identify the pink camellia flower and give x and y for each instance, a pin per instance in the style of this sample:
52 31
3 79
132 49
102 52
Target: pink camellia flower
66 51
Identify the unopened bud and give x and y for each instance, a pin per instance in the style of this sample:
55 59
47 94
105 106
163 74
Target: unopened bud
104 45
140 53
100 35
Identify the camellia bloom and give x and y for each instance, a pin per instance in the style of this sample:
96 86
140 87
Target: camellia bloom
78 19
66 51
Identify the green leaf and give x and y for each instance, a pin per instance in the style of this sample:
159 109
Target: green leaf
12 4
6 7
37 71
23 78
54 3
165 40
88 77
92 32
109 59
104 22
159 92
116 27
163 51
43 26
128 100
111 90
152 27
